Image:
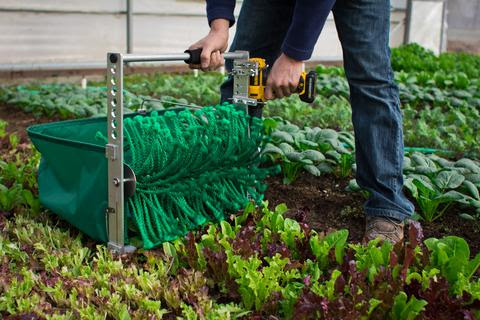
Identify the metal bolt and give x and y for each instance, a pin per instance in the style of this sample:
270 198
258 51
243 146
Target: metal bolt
116 182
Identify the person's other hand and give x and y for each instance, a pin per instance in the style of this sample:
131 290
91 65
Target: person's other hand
213 46
283 78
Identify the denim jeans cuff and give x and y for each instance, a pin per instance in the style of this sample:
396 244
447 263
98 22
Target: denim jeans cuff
388 213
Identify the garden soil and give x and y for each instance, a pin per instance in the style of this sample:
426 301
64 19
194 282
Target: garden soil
18 121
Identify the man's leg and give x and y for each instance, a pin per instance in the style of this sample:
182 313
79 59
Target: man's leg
261 28
363 28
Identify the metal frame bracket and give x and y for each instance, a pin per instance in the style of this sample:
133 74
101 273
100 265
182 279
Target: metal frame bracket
242 71
111 151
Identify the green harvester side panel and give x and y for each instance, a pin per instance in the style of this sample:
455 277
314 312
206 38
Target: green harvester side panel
72 177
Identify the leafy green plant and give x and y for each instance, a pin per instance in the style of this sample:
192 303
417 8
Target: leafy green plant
314 150
347 160
407 309
202 90
68 100
18 181
3 128
321 247
437 183
257 287
413 57
435 196
451 255
325 112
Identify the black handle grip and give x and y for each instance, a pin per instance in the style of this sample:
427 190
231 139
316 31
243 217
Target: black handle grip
310 87
194 56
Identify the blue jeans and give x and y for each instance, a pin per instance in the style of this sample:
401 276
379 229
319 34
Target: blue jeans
363 29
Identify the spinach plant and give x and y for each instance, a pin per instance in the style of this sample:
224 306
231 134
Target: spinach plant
434 196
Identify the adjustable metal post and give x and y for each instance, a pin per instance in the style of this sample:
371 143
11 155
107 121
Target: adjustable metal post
114 153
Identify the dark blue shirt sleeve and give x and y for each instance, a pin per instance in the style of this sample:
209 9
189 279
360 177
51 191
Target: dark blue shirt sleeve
221 9
308 20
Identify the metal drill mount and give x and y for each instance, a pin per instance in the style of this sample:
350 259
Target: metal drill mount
241 72
121 178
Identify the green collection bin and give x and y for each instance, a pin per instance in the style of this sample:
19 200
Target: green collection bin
72 177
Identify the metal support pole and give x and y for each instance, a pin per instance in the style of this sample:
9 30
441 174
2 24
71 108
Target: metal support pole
443 35
114 152
408 22
129 27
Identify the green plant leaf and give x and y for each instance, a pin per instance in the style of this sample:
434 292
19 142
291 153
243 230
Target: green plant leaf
286 148
403 310
281 209
469 164
282 136
408 183
353 186
269 124
472 266
423 186
425 170
325 167
373 303
294 156
450 196
313 155
419 159
270 148
449 180
473 178
472 189
289 127
312 170
450 255
466 216
334 155
308 143
326 134
306 161
338 240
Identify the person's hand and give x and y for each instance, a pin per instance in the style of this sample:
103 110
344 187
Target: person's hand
283 78
213 46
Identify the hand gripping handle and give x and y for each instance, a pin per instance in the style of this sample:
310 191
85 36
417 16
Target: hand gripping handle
194 56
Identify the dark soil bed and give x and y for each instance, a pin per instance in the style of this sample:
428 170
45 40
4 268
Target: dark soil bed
18 121
323 200
327 206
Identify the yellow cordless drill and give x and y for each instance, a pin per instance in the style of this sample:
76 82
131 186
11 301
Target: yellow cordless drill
256 89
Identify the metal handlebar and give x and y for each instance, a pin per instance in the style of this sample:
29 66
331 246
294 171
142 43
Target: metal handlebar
175 57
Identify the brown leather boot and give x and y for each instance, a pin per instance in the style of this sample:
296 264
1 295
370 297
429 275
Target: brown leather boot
384 228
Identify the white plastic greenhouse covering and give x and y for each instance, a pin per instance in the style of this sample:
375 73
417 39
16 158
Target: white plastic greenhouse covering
71 31
427 18
464 20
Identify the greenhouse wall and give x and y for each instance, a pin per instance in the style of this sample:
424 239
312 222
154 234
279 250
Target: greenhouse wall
70 31
53 31
464 20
